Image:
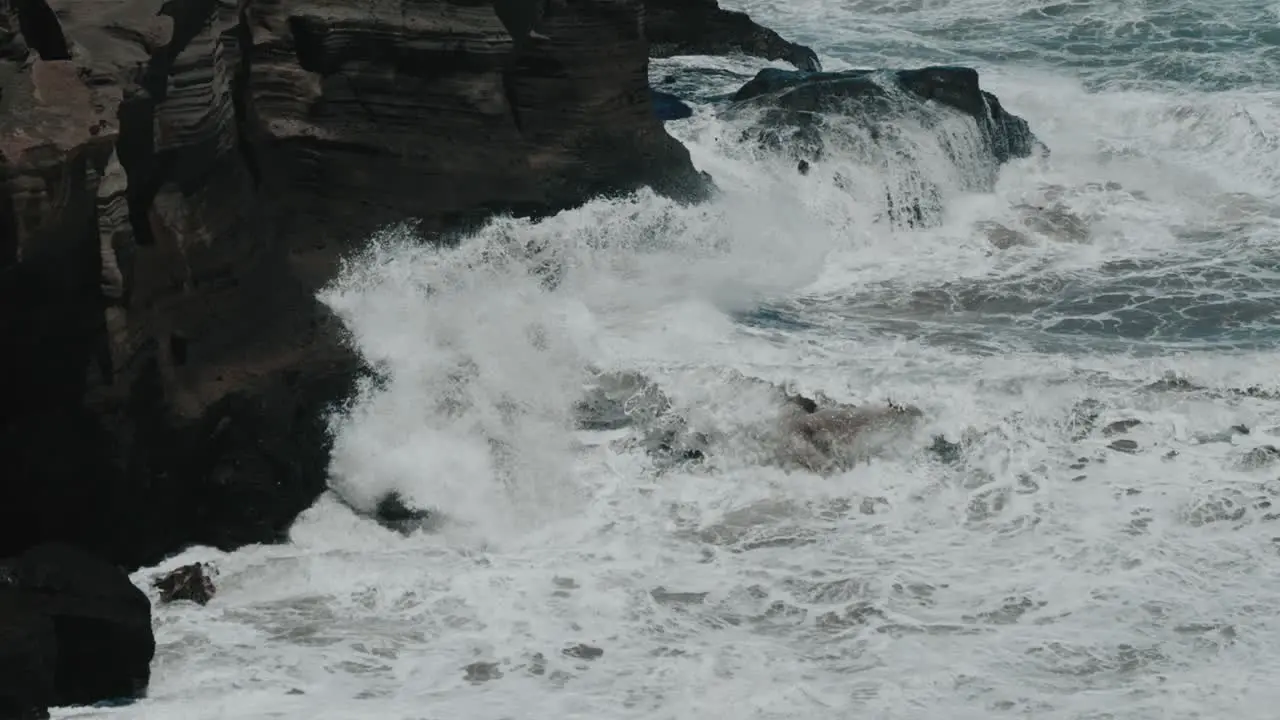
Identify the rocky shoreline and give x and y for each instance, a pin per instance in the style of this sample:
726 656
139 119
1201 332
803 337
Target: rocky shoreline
179 178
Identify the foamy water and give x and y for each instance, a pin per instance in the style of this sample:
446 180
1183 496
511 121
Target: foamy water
1041 573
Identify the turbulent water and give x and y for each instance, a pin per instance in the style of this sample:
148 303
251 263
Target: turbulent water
1062 562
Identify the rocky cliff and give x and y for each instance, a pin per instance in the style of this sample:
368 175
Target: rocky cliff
176 180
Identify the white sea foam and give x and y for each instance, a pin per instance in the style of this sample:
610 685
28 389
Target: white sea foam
1043 575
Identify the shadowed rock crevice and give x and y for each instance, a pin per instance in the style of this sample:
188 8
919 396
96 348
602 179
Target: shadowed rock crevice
135 147
240 98
41 29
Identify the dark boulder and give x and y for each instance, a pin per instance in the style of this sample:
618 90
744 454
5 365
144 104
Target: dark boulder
391 510
28 656
189 582
873 114
395 513
702 27
796 97
73 631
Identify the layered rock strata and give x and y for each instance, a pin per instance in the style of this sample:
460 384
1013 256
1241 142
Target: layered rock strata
177 179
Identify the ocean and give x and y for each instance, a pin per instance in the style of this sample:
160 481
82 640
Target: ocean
1095 333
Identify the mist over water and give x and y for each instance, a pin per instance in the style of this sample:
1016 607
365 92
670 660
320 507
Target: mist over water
1093 328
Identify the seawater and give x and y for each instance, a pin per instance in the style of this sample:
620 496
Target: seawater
1132 275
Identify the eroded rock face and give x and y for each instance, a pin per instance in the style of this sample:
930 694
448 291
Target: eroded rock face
431 110
702 27
176 180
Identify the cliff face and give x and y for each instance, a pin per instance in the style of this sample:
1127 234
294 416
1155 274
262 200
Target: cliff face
176 180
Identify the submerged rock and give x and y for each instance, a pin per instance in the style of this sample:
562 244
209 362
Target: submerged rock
1124 446
1055 221
1121 426
583 652
616 400
816 434
833 438
1260 457
945 450
1002 237
478 672
394 513
73 631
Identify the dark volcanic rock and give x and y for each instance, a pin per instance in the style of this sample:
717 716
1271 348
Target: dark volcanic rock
583 651
874 113
176 181
394 513
189 582
795 96
701 27
390 510
28 656
1124 446
74 631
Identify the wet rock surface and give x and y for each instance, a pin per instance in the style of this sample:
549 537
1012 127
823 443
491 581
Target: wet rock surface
818 435
193 583
392 510
796 100
864 112
583 651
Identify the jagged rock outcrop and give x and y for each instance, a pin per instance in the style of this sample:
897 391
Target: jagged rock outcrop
873 114
192 583
176 180
73 631
702 27
795 97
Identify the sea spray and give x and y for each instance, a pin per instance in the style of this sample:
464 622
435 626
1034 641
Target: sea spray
475 375
1040 568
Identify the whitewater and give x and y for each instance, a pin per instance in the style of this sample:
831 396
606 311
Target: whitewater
1095 334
